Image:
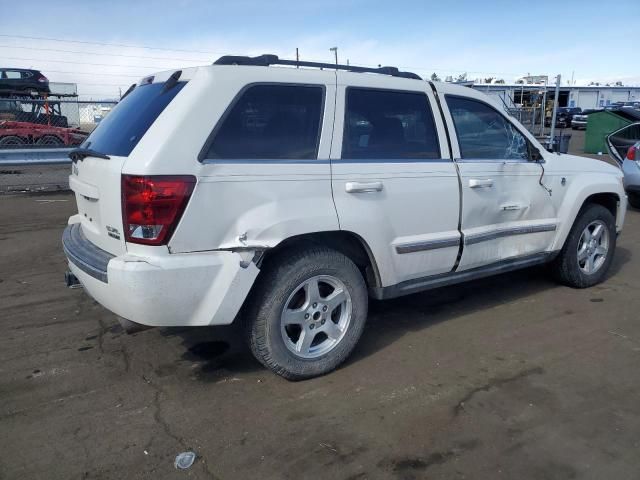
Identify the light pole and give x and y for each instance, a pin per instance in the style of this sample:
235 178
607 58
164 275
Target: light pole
335 52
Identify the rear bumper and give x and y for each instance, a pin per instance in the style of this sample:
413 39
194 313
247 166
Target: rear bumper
171 290
84 254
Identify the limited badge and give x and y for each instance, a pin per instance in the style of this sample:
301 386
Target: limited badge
113 232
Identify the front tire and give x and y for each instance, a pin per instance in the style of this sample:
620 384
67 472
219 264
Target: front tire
306 312
588 250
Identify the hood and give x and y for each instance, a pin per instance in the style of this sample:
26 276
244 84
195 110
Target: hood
586 164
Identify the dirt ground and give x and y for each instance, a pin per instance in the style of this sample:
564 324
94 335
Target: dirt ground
511 377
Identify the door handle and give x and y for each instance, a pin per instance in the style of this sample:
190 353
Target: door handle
363 187
513 206
478 183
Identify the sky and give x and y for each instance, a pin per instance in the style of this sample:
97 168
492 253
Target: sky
103 46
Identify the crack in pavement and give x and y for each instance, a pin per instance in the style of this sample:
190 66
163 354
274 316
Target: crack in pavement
166 428
494 383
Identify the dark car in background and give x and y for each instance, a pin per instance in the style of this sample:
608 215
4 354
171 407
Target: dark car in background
579 121
20 81
564 116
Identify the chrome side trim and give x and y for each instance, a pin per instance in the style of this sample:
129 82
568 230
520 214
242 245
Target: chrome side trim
427 245
84 254
507 232
452 278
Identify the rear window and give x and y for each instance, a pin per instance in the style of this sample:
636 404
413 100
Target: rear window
271 122
126 124
385 124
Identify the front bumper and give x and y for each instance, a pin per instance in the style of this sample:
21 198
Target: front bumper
189 289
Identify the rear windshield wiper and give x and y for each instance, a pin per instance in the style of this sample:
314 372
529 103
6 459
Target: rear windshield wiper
82 153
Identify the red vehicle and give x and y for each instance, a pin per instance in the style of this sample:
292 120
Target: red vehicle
22 133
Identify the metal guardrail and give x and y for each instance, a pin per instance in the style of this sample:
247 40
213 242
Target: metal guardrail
34 156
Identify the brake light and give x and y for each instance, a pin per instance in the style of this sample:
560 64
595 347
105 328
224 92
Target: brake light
42 79
632 153
153 205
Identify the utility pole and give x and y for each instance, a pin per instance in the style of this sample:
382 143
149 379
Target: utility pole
297 56
553 115
335 52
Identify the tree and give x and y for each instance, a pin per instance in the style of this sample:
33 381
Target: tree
500 80
434 77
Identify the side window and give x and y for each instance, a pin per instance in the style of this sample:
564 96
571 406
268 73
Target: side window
26 75
483 133
271 122
12 75
388 125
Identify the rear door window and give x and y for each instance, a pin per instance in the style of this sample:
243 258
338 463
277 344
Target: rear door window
387 124
483 133
270 122
126 124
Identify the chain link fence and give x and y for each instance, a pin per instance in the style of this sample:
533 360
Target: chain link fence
32 126
49 122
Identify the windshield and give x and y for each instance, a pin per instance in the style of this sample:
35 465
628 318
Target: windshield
126 124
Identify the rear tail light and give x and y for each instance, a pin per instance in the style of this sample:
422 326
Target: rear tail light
42 79
153 205
632 153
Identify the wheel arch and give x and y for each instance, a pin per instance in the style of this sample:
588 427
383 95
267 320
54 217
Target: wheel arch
348 243
573 205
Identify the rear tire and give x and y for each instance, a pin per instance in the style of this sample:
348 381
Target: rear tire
306 312
634 200
49 140
11 140
588 250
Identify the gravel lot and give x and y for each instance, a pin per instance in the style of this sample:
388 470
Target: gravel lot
509 377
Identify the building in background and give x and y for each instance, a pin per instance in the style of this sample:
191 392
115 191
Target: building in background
595 96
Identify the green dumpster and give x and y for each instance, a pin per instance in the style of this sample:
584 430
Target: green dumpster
601 124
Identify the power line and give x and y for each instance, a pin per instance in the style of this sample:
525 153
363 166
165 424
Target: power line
99 84
88 63
111 44
101 74
104 54
419 68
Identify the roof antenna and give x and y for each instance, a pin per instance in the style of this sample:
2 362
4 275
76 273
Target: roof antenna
335 52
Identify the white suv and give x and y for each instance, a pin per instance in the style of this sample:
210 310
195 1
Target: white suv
286 197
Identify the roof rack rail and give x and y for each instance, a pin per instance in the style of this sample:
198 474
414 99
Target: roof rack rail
267 60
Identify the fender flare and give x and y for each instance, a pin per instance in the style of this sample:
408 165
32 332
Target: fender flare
577 196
